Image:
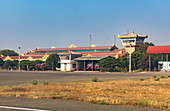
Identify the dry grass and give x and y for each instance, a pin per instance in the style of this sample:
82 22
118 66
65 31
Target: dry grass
146 93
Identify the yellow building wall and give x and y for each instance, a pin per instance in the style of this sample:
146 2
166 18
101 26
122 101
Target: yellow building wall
128 44
133 49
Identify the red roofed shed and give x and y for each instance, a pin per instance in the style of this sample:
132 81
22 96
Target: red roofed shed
158 50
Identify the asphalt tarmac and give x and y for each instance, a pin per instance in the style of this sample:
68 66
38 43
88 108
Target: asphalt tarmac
63 105
18 78
22 77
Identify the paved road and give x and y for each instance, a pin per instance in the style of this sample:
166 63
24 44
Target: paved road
17 78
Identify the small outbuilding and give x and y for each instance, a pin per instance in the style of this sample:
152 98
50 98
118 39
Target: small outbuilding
67 60
164 50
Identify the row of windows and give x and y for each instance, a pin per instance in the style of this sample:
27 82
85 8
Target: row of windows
128 41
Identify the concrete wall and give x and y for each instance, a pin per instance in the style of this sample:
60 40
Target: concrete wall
165 65
67 67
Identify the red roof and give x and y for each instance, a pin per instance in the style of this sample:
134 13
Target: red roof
69 52
37 57
3 57
93 54
101 53
77 48
105 53
23 57
38 54
158 50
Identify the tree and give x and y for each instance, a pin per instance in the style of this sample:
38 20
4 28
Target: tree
8 64
38 62
24 64
15 62
29 65
1 62
124 63
52 61
8 52
110 63
140 59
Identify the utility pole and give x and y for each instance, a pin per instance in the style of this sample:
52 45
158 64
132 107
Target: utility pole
19 58
130 59
90 40
115 40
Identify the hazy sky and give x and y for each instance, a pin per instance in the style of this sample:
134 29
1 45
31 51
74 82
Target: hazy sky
46 23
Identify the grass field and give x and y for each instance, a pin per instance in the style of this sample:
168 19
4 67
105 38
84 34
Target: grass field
141 93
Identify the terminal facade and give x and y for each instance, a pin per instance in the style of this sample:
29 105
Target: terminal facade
81 58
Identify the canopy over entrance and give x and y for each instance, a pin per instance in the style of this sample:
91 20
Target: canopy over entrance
91 58
89 63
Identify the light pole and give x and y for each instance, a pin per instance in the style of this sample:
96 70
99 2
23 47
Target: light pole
130 59
115 40
90 40
19 58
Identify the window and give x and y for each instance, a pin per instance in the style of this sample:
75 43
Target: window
127 41
64 58
74 66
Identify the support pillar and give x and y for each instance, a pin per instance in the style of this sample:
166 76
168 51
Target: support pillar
77 67
70 57
149 62
19 68
167 61
92 65
84 65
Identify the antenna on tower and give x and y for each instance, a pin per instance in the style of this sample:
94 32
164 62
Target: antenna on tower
115 40
90 40
127 31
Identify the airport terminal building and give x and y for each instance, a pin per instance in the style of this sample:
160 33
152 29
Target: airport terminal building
82 58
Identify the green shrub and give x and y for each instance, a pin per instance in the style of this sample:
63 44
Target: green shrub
45 83
162 76
156 79
143 103
142 79
19 89
58 93
34 82
94 79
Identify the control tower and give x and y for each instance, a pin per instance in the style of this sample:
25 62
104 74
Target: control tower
133 39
